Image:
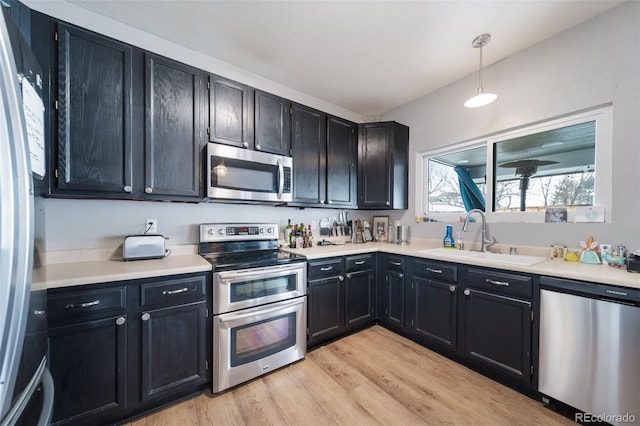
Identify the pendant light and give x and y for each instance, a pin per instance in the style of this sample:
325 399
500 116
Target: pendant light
481 98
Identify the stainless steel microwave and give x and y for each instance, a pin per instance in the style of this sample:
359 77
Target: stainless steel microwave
241 174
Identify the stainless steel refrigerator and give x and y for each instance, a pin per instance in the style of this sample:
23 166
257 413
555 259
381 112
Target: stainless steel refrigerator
26 387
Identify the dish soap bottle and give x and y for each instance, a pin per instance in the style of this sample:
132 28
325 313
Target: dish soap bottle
448 241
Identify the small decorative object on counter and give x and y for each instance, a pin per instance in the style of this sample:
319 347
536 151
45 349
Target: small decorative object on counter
448 241
622 250
559 252
588 254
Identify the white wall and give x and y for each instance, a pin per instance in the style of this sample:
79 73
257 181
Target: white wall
591 64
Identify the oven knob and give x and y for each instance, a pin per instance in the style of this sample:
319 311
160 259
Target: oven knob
210 232
221 231
262 230
269 231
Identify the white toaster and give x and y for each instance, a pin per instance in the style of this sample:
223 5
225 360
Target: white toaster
147 246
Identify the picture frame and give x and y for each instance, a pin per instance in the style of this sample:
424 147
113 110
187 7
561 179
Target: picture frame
380 226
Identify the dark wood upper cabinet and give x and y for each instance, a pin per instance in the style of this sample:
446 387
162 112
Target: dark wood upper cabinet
272 123
94 114
230 112
383 166
341 163
172 128
308 148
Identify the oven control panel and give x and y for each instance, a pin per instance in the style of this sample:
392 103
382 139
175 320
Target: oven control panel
238 231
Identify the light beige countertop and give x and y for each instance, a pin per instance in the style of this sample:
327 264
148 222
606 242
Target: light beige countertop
602 274
79 267
92 267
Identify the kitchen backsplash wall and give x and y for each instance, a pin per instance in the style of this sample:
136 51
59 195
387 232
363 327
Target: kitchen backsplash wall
87 224
594 63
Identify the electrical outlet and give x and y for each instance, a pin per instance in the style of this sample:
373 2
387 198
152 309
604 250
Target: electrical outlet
151 226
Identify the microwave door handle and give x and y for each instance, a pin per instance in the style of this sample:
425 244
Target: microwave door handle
280 178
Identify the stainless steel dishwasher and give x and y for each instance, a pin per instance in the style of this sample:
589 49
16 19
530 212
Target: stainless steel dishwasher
590 348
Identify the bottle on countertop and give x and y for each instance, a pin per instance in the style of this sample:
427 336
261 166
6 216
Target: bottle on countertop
459 244
310 235
448 240
292 236
287 232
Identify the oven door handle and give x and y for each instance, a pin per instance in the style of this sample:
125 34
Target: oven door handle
227 319
257 273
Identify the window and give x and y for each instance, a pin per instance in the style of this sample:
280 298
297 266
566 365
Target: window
547 164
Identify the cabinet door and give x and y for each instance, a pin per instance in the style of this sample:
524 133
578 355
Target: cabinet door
497 333
88 364
230 112
172 128
435 311
359 291
395 305
325 312
308 148
94 114
173 348
374 159
272 124
341 163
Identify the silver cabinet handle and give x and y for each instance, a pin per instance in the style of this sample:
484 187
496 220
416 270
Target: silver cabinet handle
257 146
146 316
467 292
494 282
329 202
435 271
148 190
177 291
340 277
121 321
245 144
452 288
127 188
326 268
81 305
396 263
349 276
39 313
401 275
360 262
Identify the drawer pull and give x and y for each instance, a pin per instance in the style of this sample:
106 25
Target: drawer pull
494 282
326 268
146 316
340 277
81 305
177 291
349 276
452 288
467 292
360 262
434 271
121 321
396 263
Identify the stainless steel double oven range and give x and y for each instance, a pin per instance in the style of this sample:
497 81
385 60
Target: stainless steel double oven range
259 301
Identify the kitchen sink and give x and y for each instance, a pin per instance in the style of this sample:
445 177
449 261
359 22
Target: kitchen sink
511 259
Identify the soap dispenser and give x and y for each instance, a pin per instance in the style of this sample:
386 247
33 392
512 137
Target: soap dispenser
448 241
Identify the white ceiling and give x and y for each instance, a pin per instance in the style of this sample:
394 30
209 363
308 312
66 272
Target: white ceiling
366 56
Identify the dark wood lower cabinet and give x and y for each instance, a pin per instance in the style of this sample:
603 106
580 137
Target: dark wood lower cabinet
172 349
121 349
497 333
359 296
325 311
88 363
435 311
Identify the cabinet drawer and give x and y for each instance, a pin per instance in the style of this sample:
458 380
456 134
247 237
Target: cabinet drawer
359 263
325 268
510 284
86 303
395 263
436 270
173 291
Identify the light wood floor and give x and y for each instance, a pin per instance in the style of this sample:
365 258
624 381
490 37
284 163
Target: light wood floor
374 377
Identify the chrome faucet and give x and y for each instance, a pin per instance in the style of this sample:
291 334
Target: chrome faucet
485 242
